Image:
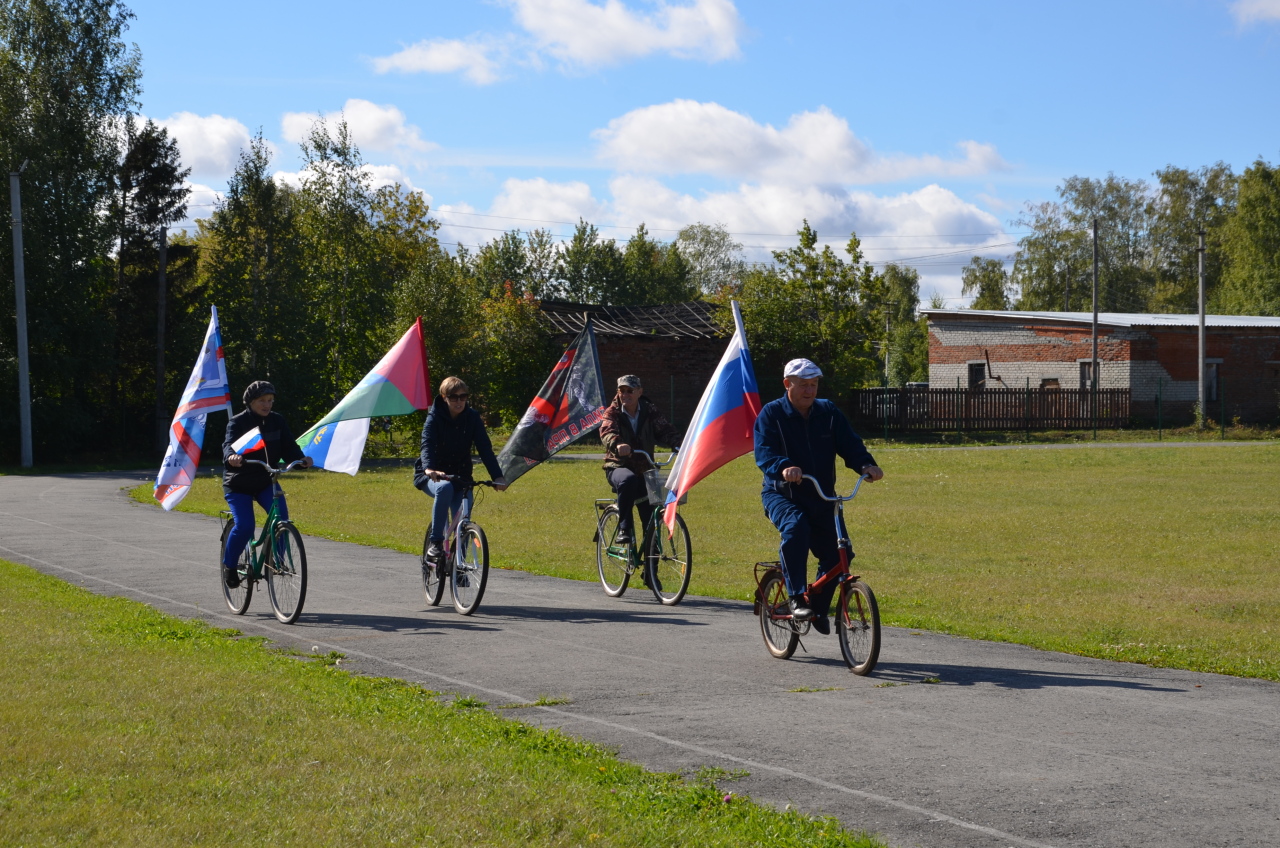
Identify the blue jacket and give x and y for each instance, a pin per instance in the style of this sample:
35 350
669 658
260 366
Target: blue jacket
447 442
785 438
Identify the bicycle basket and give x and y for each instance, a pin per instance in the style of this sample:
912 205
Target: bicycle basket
656 483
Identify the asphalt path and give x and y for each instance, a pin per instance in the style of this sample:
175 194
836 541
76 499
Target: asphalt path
1012 747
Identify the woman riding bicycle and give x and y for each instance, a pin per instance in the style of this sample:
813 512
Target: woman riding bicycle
799 434
632 422
452 428
243 484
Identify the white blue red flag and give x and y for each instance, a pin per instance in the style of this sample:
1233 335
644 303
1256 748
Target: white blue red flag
250 441
722 425
207 391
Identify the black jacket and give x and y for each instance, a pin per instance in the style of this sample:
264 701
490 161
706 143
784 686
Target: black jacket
447 442
251 479
785 438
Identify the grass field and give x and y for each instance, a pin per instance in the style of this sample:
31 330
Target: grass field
123 726
1161 556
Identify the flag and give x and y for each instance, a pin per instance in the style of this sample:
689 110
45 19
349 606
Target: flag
250 441
207 391
723 424
569 405
397 385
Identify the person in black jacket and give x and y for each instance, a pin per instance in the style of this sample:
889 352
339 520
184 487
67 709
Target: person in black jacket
451 429
800 434
243 484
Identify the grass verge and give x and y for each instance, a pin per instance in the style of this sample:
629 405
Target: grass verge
125 726
1151 555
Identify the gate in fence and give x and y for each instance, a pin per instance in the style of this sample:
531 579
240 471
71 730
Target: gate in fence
921 409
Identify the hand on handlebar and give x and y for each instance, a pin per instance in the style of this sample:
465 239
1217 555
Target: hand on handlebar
623 450
873 473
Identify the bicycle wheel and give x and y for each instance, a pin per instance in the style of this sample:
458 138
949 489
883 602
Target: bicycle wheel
779 636
433 574
287 574
612 560
670 561
470 574
858 626
239 597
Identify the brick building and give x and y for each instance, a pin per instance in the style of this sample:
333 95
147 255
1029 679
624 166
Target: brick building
672 348
1147 354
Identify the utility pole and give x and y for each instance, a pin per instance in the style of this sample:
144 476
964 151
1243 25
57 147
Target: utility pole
162 422
1093 367
1200 398
20 297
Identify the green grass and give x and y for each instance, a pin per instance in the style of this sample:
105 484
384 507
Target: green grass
1160 556
124 726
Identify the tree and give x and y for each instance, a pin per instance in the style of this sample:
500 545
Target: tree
590 270
1189 201
66 78
907 338
1251 245
987 279
714 258
501 261
652 273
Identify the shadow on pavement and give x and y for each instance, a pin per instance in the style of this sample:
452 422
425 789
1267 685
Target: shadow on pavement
576 615
1006 678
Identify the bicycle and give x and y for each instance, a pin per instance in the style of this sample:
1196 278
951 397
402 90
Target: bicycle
857 615
465 565
667 561
283 563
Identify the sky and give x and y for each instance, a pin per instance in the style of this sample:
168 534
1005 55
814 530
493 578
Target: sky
924 127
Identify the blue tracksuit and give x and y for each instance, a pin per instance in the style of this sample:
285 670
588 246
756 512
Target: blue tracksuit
784 438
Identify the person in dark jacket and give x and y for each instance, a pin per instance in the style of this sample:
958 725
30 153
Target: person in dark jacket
632 422
243 484
451 429
799 434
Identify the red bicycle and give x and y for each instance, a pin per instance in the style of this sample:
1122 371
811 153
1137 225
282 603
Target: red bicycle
857 616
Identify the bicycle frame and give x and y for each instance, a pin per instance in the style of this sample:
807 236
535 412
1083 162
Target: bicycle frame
634 559
262 554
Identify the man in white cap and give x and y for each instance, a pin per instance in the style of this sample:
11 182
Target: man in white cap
799 434
632 422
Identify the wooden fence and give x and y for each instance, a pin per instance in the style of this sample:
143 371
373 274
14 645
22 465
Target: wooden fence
986 409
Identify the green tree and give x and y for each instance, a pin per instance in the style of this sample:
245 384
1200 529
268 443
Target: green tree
1251 245
510 353
714 258
501 261
590 269
652 273
1051 268
1189 201
987 281
907 338
66 79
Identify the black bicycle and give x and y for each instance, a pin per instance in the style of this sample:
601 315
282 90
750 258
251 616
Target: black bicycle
465 564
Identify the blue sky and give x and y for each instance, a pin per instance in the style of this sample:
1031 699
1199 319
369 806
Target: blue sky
923 126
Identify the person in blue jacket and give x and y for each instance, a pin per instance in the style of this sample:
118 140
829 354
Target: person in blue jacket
799 434
451 429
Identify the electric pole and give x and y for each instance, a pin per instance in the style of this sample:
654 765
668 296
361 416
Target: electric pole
1200 398
162 422
1093 367
20 298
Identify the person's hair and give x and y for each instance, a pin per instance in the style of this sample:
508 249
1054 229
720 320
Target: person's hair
450 385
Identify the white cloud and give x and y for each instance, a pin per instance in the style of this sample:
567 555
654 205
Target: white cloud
817 147
580 34
210 144
378 128
590 34
1255 11
445 56
380 176
543 200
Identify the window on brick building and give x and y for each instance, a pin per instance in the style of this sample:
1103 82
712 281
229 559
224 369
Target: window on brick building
1211 372
1050 383
977 374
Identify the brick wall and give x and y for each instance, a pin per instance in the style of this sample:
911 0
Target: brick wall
665 366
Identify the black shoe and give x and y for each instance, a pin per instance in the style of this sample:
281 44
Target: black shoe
822 624
623 538
435 552
231 577
799 609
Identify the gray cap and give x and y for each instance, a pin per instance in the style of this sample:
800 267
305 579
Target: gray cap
629 380
802 369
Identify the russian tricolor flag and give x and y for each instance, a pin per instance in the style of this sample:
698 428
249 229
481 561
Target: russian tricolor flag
250 441
721 430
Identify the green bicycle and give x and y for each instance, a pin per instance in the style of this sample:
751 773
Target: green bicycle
665 563
277 555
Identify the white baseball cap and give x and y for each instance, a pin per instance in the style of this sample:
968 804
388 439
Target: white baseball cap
801 368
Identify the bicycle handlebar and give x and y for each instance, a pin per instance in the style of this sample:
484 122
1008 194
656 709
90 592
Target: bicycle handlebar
290 467
655 462
837 498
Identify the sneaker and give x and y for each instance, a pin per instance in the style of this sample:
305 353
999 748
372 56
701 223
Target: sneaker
231 577
822 624
799 609
435 551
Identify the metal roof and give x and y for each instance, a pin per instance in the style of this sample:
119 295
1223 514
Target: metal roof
672 320
1114 319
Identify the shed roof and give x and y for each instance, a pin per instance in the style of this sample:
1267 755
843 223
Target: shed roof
695 319
1112 319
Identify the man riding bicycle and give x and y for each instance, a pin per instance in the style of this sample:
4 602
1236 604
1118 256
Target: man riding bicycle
799 434
632 422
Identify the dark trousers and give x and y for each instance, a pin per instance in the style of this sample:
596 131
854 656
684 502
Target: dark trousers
242 514
806 524
631 490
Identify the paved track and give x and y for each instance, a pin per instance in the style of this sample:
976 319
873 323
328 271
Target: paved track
1014 747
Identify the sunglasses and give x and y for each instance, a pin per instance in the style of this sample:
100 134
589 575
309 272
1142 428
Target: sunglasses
458 397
